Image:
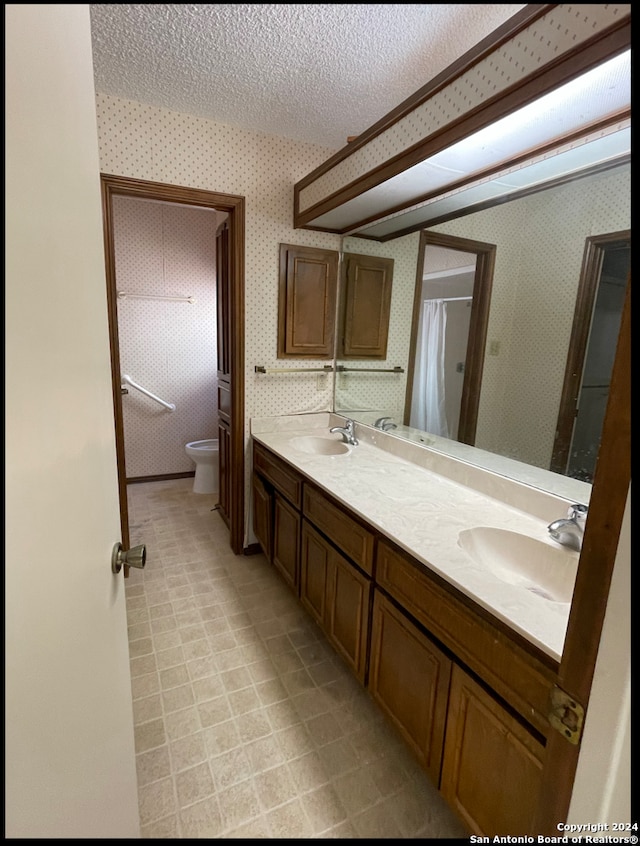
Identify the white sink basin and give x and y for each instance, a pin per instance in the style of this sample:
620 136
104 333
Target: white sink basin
318 445
545 570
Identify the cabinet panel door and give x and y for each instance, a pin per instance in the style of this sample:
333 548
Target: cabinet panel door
307 301
516 675
366 303
492 767
281 476
224 469
262 516
223 297
348 613
353 539
314 573
409 679
286 540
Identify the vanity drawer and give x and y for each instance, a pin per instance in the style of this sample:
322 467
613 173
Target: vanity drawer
517 676
349 536
281 476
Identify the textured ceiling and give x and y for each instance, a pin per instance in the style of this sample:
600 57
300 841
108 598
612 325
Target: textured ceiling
314 73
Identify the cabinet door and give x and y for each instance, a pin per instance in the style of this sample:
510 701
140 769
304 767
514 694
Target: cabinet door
262 516
314 573
224 468
223 315
365 306
492 767
347 622
307 301
409 679
223 299
286 540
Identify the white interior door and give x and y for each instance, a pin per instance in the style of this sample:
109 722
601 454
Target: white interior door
69 747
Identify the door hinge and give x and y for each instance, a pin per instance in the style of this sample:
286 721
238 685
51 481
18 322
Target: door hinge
566 715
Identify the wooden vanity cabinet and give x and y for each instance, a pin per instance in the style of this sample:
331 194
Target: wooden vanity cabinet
263 514
518 675
409 680
468 695
277 499
435 661
492 764
337 595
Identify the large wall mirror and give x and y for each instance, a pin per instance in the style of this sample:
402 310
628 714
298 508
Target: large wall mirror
525 299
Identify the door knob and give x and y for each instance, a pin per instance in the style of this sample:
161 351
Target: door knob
134 557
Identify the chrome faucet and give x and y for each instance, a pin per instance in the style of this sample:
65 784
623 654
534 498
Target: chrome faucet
348 432
385 423
569 531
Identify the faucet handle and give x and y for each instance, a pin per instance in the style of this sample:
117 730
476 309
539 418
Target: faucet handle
578 512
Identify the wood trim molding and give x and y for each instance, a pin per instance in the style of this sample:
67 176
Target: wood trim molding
508 30
593 258
483 282
588 54
235 207
610 490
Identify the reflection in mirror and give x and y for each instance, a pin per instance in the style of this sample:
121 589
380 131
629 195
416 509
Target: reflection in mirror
543 249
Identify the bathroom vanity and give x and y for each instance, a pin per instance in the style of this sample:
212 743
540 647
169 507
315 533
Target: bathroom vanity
461 658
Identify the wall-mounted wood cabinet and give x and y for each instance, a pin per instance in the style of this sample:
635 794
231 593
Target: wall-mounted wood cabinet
365 305
307 302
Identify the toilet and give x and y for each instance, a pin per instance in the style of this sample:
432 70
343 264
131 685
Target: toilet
205 456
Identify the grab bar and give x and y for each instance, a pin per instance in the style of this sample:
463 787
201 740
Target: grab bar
142 390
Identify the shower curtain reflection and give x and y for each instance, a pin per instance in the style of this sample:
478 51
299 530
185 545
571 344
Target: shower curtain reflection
428 396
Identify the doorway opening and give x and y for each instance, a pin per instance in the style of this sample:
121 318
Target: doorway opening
230 334
448 335
604 277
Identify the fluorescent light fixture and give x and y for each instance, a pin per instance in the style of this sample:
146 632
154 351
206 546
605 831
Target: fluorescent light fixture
595 98
610 149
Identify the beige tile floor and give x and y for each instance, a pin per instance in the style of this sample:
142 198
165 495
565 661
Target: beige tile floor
247 723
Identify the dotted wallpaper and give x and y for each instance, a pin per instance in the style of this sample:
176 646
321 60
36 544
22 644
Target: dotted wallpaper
168 347
540 244
154 144
384 391
145 142
564 27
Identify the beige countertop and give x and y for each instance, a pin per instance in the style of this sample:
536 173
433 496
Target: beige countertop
423 512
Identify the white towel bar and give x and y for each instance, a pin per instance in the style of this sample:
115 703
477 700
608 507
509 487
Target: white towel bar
123 295
142 390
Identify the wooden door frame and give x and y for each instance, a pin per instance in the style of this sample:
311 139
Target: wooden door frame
593 258
611 485
474 361
234 206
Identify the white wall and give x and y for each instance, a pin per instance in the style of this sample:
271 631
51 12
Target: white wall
602 787
168 347
540 244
